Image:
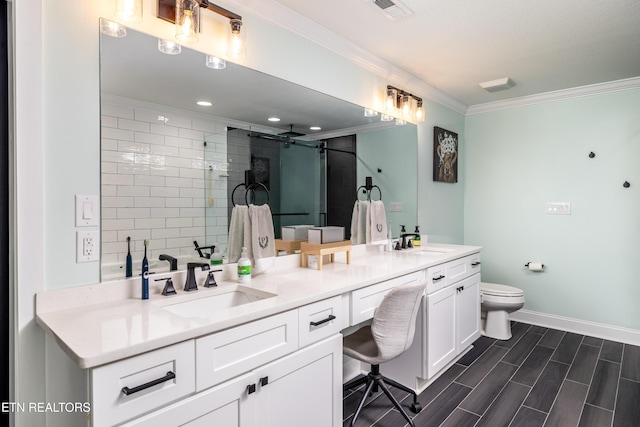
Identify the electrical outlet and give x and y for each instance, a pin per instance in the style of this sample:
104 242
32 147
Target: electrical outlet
87 246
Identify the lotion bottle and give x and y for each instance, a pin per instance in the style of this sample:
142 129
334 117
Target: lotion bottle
244 267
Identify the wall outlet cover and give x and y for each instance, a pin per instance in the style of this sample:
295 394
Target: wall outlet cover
87 246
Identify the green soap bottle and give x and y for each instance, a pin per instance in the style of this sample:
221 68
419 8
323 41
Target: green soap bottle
416 239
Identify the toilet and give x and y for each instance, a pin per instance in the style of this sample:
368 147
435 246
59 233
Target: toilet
497 302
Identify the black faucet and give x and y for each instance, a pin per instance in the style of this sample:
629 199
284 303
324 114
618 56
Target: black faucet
404 235
173 263
191 284
200 248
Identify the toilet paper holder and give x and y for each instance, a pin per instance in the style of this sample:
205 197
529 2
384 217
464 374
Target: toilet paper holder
535 266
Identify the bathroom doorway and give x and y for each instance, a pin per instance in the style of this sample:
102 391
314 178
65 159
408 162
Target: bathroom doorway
341 181
4 195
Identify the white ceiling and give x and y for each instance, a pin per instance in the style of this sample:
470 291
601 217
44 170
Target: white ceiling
454 45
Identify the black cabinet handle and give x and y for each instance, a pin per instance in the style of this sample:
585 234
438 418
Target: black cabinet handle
251 388
435 279
475 264
128 391
264 381
328 319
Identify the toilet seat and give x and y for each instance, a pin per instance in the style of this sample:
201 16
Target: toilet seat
493 289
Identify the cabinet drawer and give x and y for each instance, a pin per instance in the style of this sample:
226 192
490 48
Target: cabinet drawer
225 354
443 275
148 382
320 320
436 278
474 263
365 301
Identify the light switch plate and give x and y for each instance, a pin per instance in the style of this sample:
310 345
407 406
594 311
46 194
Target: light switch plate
87 246
558 208
87 210
396 207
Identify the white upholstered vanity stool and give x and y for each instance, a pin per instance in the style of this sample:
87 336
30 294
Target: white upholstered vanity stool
497 302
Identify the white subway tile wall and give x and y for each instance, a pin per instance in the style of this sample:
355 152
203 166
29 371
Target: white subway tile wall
160 182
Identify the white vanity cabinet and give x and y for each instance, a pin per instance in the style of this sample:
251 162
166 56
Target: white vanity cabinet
447 324
255 374
303 388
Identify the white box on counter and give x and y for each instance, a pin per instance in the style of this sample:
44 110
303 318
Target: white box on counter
326 234
295 232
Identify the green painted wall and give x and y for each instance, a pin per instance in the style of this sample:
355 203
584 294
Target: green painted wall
521 158
392 151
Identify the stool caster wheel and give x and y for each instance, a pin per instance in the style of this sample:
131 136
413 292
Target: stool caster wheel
416 407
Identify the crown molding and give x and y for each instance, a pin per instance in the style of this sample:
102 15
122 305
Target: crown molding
558 95
282 16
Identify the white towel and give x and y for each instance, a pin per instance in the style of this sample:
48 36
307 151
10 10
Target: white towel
377 222
263 247
359 222
239 215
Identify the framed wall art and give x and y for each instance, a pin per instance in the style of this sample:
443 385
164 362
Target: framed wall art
445 155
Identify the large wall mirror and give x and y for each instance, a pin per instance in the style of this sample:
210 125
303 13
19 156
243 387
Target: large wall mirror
169 166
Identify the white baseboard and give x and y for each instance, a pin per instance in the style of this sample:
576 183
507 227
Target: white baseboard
583 327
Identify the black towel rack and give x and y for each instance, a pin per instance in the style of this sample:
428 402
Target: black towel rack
250 186
368 188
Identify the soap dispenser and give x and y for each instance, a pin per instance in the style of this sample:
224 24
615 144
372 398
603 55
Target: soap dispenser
416 239
244 267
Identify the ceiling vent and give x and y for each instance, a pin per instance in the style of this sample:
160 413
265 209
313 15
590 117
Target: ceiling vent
392 9
496 85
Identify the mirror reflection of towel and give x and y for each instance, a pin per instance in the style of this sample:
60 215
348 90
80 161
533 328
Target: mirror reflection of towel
239 215
262 246
359 222
377 222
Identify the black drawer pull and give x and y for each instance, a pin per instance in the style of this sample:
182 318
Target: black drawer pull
435 279
475 264
328 319
264 381
128 391
251 388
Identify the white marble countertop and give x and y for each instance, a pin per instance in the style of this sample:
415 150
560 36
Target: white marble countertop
105 322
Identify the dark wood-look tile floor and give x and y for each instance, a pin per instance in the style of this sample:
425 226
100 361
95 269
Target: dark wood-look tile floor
540 377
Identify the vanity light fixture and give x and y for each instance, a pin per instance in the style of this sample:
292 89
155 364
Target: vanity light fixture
129 10
315 128
215 62
274 119
185 15
204 103
404 105
169 47
112 29
370 112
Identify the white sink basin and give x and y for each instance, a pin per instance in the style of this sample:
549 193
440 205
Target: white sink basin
225 297
429 252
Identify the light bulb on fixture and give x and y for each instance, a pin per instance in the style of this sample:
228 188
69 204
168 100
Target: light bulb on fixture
235 39
215 62
187 20
407 110
385 117
129 10
420 117
112 29
391 101
370 112
169 47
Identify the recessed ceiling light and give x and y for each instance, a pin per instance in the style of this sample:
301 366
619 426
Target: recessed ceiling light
315 128
204 103
274 119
